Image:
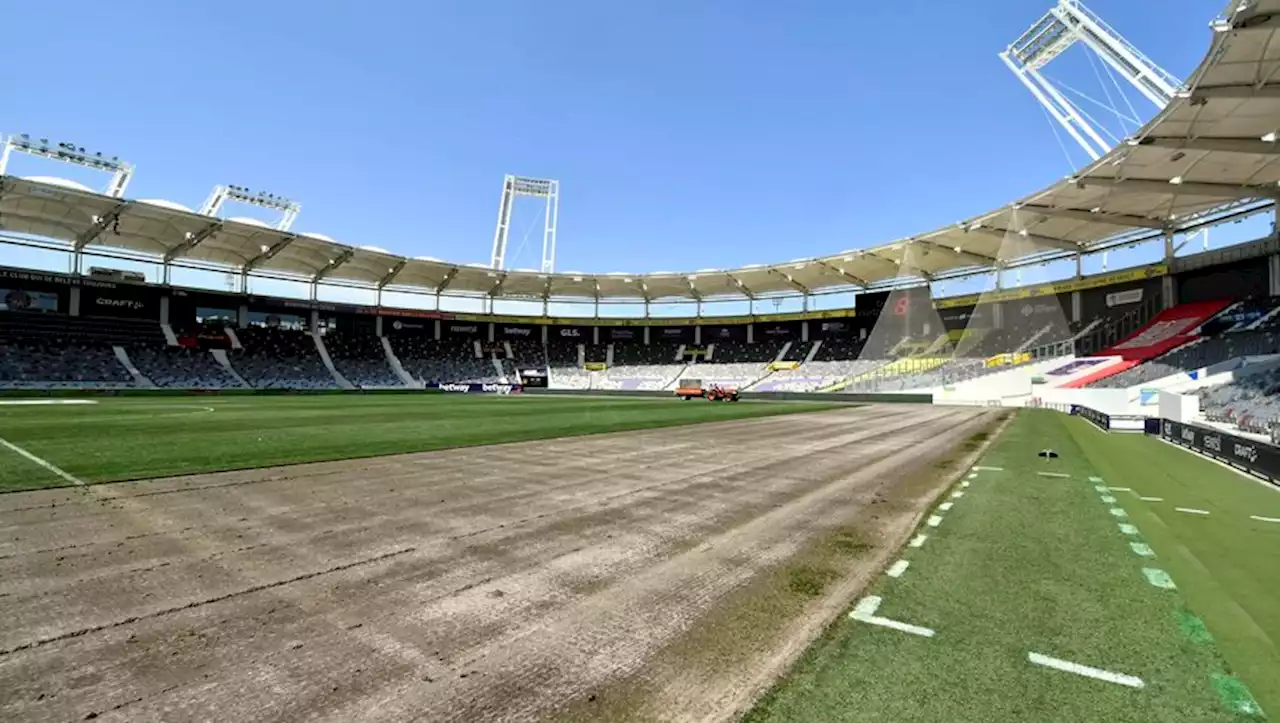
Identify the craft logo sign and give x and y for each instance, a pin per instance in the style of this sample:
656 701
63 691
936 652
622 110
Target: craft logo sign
119 303
1246 451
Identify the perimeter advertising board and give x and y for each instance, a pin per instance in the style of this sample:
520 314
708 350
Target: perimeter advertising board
622 333
1257 458
777 332
465 329
673 334
577 334
466 388
133 302
398 326
517 332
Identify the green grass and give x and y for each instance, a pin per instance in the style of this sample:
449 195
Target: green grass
131 438
1025 563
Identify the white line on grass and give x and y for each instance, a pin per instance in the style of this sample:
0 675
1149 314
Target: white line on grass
1095 479
1159 578
1119 512
1120 489
865 611
991 469
897 568
935 520
957 495
964 483
1152 499
52 468
918 540
1264 519
1141 549
1053 474
1109 499
1191 510
1101 488
1078 669
1128 529
945 506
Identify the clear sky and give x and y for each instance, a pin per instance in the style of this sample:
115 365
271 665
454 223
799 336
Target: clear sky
686 133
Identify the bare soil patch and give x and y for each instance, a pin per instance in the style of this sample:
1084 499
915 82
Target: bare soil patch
504 583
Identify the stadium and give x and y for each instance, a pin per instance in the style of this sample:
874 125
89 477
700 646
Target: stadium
478 493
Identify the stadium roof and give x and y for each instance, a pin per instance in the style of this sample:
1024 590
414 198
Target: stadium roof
1212 147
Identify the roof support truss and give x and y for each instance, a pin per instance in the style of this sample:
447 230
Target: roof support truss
742 287
268 254
1235 92
790 281
1117 219
1249 22
193 241
972 257
857 280
392 273
1227 145
1149 185
95 232
448 279
1047 241
342 258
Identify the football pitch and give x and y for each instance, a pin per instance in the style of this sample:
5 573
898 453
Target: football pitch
109 439
1125 580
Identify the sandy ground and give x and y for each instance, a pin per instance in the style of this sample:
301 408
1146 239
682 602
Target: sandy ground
487 584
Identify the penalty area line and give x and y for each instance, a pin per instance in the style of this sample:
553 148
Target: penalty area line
865 612
1097 673
47 465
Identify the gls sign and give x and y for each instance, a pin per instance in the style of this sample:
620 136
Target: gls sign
575 333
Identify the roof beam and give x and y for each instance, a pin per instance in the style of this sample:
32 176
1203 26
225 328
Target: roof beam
1048 241
448 278
790 281
342 258
970 256
393 272
94 232
856 280
1248 23
1234 92
693 290
1151 185
193 241
742 287
1226 145
1115 219
268 254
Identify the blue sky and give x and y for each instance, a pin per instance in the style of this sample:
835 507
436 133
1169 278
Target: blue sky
686 135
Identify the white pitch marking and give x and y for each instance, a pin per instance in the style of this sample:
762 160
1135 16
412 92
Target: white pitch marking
1078 669
1095 479
1152 499
990 469
866 607
52 468
1109 499
1128 529
918 540
1101 488
1120 489
897 568
1119 512
957 495
895 625
935 520
1264 519
1053 474
965 484
1191 510
945 506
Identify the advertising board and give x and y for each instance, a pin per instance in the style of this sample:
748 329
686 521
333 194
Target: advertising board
1257 458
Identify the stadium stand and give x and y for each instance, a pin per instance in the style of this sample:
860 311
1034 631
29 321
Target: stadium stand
276 358
1251 403
360 358
443 361
177 367
640 366
49 351
1196 355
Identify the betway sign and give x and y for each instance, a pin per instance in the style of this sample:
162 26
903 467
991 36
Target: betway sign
1257 458
463 388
